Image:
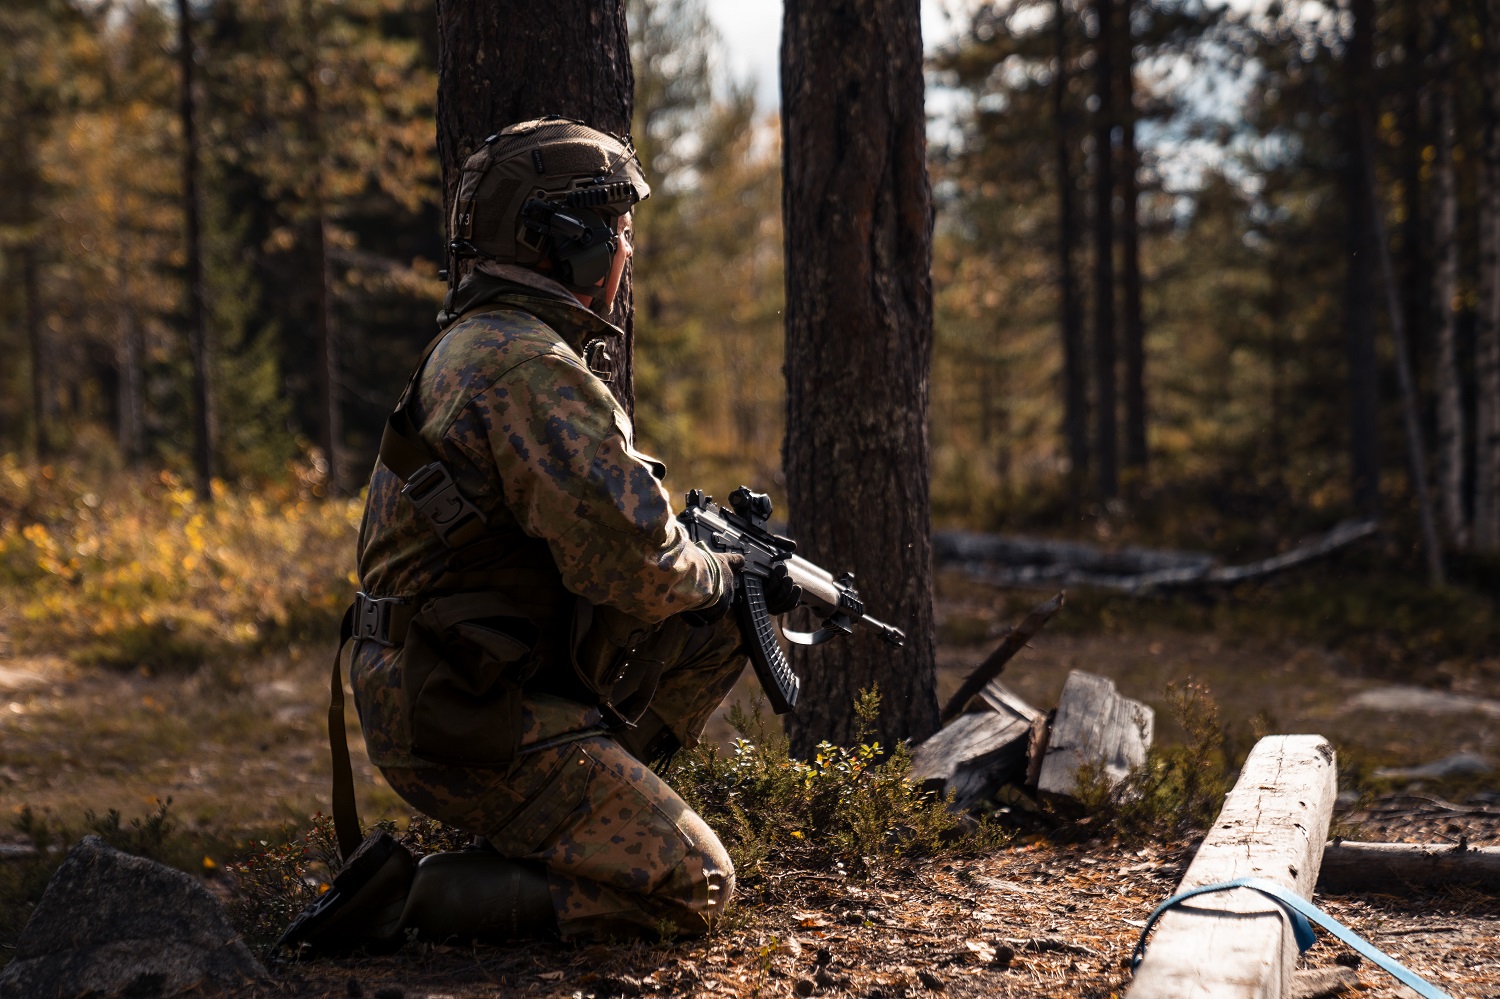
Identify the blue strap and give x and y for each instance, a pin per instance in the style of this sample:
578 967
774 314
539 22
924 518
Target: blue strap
1299 910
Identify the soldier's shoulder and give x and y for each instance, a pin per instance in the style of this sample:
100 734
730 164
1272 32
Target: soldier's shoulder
504 336
486 347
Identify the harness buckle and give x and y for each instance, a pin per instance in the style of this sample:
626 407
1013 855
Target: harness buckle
372 618
433 492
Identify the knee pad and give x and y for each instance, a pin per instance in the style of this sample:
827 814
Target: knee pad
478 895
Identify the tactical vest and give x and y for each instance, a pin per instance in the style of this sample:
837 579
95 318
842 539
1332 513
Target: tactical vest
496 625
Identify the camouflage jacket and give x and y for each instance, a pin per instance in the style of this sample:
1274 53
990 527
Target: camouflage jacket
536 441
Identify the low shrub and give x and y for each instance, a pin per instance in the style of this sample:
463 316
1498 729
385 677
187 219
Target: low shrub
844 808
145 575
1179 788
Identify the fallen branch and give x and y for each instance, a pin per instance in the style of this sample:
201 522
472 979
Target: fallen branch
992 666
1033 562
1387 867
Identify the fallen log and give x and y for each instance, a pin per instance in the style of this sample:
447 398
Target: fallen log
1239 944
1094 725
1391 867
1024 562
981 751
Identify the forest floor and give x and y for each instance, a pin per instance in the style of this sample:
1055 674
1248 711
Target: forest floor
240 749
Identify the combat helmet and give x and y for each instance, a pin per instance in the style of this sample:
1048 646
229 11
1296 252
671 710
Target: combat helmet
549 188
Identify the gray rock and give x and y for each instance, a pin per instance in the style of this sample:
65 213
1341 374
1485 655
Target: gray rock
114 925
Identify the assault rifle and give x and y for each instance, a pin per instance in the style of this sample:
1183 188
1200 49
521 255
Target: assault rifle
742 530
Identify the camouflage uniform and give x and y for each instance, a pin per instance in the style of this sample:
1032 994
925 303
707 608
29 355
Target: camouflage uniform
536 441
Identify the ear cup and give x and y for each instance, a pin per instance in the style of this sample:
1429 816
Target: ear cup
584 257
588 264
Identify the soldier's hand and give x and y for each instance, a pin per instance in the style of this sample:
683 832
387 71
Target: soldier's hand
729 565
782 594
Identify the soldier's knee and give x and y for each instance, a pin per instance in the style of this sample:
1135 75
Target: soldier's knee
703 883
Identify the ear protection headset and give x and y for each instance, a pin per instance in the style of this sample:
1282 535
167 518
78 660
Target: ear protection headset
583 244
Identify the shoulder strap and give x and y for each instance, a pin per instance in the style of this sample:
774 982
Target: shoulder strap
426 480
345 811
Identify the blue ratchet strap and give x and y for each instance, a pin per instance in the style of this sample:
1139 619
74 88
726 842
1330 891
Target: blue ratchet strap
1299 910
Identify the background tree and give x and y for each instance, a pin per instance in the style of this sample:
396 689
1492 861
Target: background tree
708 375
504 62
198 339
1106 342
1487 394
858 220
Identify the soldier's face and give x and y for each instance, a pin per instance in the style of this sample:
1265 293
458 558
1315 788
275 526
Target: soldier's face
617 268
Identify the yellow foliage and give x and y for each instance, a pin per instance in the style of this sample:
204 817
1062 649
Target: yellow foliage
150 576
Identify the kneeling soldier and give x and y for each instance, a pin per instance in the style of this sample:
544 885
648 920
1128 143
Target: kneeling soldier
535 627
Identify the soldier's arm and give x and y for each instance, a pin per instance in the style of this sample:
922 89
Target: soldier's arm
570 476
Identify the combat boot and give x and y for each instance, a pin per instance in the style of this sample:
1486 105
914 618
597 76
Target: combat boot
363 907
478 895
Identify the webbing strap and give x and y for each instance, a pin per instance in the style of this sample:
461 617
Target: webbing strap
1299 910
345 811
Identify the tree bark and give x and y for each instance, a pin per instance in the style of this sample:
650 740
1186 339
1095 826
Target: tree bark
1416 280
1450 413
857 208
510 60
1359 290
41 382
1075 365
203 414
1106 432
330 424
1487 348
130 361
1133 324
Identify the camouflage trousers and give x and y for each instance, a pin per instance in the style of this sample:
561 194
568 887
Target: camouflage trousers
624 854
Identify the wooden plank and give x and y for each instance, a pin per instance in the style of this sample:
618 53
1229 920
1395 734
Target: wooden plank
1094 724
1390 868
1239 944
978 752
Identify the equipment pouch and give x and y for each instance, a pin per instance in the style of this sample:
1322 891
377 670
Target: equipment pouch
462 680
602 641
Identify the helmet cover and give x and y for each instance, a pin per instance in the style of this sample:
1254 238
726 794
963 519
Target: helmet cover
526 174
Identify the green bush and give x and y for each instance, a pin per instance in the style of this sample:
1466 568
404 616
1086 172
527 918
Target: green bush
845 807
1176 790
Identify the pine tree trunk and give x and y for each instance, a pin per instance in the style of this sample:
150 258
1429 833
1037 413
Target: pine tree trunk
41 382
1364 398
1416 281
509 60
1450 413
1106 432
1487 348
203 414
857 209
1075 364
330 424
1133 323
130 363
